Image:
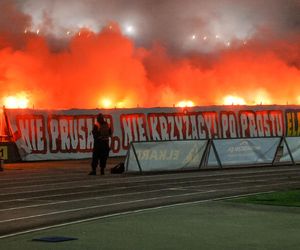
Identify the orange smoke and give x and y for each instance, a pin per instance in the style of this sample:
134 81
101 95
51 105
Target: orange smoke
107 70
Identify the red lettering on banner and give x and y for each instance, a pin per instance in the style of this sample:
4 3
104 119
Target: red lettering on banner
72 133
228 124
133 128
174 126
57 133
32 130
266 123
211 124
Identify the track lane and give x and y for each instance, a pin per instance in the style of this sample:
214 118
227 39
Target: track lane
64 196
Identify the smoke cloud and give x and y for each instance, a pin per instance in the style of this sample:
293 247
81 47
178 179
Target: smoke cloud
149 53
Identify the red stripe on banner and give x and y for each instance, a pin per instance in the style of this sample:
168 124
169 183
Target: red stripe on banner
17 135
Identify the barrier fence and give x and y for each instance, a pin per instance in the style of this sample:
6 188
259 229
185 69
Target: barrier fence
213 153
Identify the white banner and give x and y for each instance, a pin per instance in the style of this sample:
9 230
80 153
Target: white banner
294 146
66 134
165 155
246 151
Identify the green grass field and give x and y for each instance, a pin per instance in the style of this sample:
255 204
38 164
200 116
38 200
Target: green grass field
285 198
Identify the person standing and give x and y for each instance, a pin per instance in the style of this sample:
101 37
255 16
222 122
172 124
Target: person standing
101 133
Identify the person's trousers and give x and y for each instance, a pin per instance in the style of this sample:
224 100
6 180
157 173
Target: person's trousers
100 155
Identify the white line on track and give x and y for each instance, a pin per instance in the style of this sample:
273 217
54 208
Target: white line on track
102 205
101 184
177 188
46 184
246 171
141 178
129 187
128 213
136 201
85 199
41 177
111 189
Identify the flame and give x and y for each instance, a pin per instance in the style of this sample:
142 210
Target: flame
185 103
262 97
109 103
18 101
233 100
106 103
259 96
122 104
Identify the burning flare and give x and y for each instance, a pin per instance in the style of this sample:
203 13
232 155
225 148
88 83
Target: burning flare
18 101
233 100
185 103
106 103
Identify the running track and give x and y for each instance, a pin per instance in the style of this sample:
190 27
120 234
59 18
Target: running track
42 194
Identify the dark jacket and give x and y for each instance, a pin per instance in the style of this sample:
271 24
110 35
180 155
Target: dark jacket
101 132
